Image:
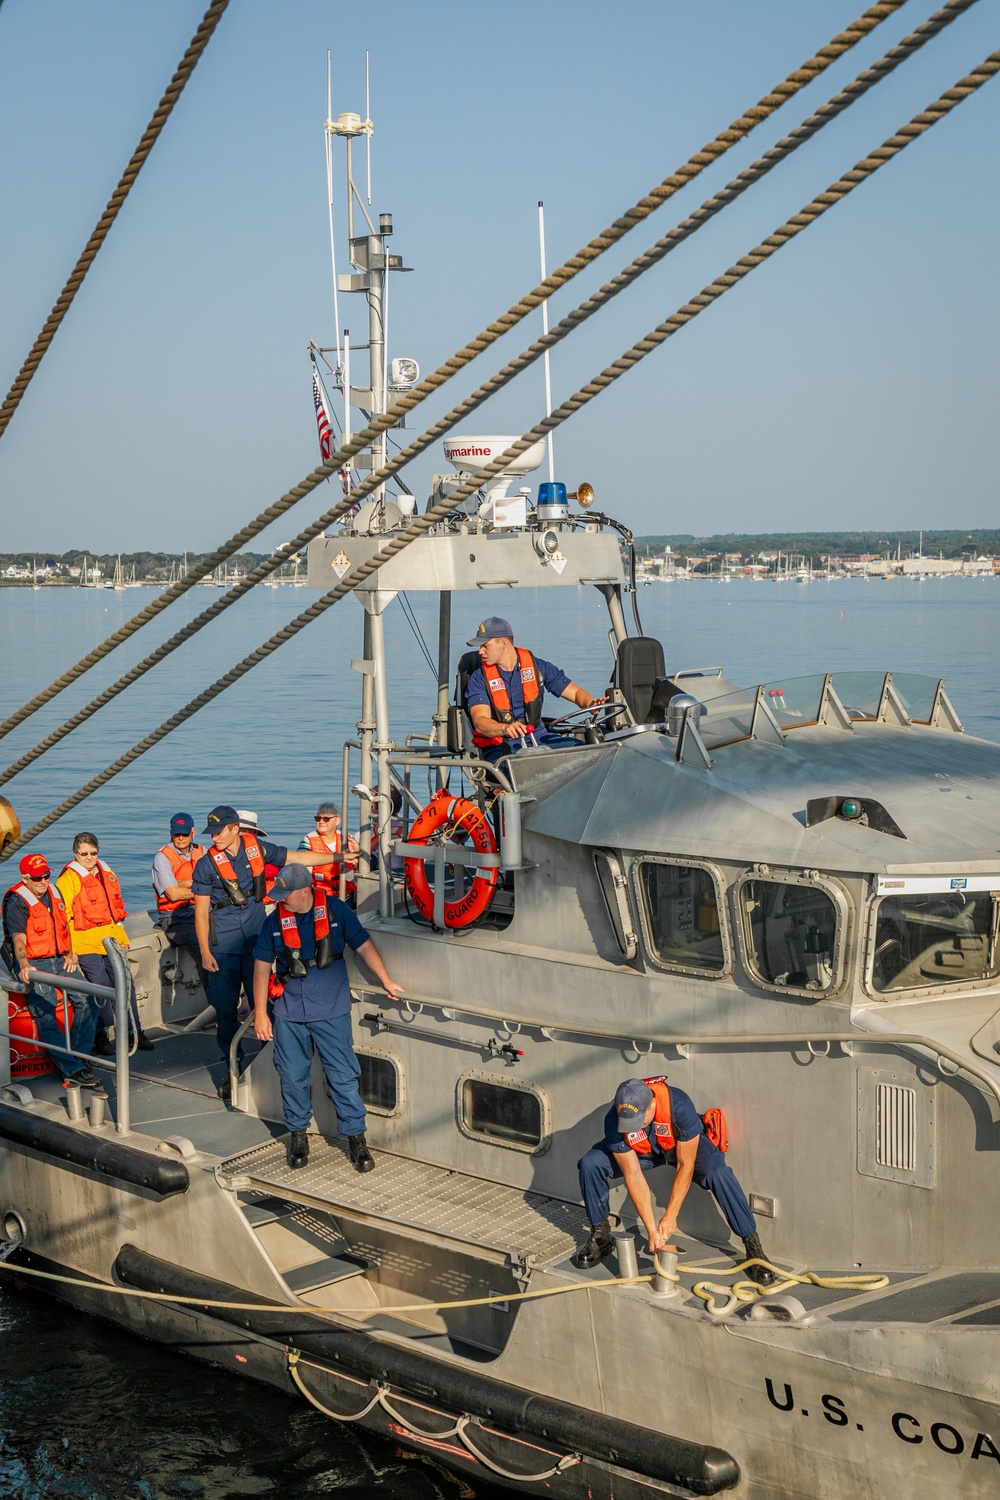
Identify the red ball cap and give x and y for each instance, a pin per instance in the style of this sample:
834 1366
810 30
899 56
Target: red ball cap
35 866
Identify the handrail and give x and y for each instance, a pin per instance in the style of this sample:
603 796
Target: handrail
234 1072
120 994
692 1039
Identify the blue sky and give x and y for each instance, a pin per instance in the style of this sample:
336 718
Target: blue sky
850 382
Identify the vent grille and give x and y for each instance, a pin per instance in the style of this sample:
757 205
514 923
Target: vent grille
896 1127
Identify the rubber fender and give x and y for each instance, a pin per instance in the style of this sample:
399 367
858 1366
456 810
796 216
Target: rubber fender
702 1469
108 1158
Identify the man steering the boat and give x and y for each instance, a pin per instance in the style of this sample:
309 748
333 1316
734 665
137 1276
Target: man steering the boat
505 692
651 1125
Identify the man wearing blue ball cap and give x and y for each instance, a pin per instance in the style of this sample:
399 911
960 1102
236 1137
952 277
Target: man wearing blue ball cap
652 1125
229 888
505 692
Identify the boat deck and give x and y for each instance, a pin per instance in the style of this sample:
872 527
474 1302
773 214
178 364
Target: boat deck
530 1227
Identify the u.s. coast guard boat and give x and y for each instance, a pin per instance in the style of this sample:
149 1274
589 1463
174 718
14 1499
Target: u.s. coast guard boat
785 896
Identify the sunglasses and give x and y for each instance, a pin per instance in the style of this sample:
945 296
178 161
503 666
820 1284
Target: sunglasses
39 879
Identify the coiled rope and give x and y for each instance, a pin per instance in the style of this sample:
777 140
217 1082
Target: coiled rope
752 174
792 227
596 247
150 136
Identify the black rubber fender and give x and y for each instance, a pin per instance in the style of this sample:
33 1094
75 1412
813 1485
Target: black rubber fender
109 1158
698 1467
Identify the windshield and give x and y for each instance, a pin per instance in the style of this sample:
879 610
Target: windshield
946 938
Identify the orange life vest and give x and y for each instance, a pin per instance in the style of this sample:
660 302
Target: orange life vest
321 928
98 902
663 1124
328 876
183 868
500 709
47 933
237 895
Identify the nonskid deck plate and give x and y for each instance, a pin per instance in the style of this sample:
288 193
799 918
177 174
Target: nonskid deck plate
414 1195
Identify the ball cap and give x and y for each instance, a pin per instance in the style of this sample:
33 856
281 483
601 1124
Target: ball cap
491 629
632 1099
34 866
220 817
291 878
181 823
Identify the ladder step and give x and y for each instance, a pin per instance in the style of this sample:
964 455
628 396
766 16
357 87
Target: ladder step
267 1211
323 1272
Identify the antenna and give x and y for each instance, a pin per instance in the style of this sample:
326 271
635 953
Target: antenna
368 115
545 330
328 134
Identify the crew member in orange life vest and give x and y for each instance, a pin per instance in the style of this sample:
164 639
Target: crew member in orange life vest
95 910
504 695
35 926
173 870
228 890
304 938
328 836
650 1125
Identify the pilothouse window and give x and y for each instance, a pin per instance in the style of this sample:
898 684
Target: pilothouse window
946 938
681 906
790 933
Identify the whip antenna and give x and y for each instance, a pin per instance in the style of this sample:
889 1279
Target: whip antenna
328 134
545 330
368 136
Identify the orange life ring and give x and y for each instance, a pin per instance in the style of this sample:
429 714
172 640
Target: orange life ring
458 812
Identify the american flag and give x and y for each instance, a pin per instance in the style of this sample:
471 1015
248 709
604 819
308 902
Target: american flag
322 418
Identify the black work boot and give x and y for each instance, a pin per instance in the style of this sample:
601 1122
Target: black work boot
361 1158
755 1251
599 1244
103 1045
298 1149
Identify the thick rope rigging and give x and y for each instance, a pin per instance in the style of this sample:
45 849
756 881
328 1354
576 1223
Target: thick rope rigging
758 169
596 247
150 136
762 252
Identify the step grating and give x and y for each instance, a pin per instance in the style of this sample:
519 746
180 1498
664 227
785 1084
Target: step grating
416 1195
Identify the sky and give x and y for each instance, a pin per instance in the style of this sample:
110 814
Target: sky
850 382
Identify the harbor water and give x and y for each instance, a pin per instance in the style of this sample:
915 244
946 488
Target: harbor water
87 1411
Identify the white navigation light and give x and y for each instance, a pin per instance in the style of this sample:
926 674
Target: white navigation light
403 373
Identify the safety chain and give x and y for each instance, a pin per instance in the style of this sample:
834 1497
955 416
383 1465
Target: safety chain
786 232
471 403
596 247
150 136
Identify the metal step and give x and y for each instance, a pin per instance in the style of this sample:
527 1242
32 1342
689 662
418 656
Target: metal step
322 1273
267 1211
527 1226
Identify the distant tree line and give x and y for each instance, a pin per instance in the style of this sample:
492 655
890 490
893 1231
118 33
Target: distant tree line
816 545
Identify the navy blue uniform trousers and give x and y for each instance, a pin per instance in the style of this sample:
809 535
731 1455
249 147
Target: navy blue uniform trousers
293 1053
598 1169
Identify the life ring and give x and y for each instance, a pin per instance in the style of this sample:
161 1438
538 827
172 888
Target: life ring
457 812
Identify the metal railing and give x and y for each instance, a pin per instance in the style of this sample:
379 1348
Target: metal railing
75 985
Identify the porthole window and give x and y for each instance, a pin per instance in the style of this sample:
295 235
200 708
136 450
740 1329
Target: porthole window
682 911
501 1113
379 1083
923 941
790 932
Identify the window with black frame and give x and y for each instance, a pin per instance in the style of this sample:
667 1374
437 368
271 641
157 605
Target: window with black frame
947 937
681 906
379 1082
790 933
498 1113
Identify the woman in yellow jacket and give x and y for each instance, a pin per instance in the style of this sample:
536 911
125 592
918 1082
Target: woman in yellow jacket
95 910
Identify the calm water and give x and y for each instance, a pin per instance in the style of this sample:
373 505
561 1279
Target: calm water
87 1411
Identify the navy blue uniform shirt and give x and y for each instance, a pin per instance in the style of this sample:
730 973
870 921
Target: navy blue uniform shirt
686 1119
235 926
15 914
550 680
324 994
